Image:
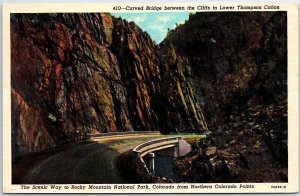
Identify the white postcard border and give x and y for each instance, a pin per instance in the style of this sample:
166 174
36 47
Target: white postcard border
293 97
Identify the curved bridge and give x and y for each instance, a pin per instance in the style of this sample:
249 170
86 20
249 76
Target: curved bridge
170 146
176 145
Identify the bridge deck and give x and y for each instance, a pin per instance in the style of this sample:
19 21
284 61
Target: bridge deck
155 145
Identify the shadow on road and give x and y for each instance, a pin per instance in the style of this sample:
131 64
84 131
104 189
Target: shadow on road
83 162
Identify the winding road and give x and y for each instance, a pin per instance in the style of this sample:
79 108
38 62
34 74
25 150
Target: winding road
92 161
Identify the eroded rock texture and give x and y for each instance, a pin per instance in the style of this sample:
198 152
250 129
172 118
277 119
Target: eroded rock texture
77 74
250 148
237 59
241 70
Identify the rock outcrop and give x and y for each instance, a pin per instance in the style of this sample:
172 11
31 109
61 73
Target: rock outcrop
180 102
241 69
250 148
79 74
237 60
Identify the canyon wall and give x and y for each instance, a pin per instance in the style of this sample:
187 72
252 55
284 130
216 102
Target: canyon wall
79 74
237 59
239 64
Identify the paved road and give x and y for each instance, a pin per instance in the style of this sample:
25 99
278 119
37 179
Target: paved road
88 162
91 162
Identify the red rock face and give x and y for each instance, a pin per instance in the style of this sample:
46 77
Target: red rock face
76 74
64 71
28 137
139 66
80 74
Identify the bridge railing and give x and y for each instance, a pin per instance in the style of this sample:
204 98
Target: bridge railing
121 133
153 145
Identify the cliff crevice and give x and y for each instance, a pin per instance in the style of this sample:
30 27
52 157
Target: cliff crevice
80 74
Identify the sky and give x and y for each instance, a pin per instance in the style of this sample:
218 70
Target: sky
156 24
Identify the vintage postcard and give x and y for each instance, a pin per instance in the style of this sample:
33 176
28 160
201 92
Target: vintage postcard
150 98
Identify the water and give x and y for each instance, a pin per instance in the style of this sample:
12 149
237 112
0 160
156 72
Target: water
165 167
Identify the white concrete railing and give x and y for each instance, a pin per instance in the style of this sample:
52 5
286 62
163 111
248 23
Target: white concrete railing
155 145
176 147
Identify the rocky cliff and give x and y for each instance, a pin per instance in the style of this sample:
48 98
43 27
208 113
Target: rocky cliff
79 74
239 65
237 59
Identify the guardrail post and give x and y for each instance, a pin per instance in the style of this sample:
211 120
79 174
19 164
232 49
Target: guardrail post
136 154
152 166
176 148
